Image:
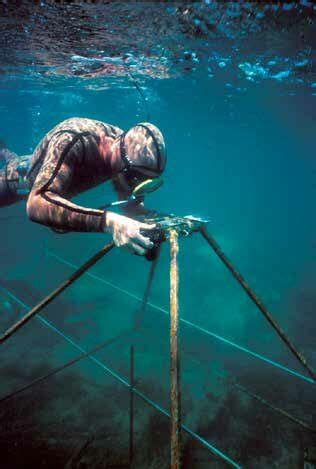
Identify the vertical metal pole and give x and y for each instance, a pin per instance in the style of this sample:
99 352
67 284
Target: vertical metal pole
139 316
131 407
175 411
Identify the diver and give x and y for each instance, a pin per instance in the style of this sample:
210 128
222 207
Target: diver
79 154
13 168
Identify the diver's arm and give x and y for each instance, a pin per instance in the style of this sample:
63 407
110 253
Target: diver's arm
48 208
46 205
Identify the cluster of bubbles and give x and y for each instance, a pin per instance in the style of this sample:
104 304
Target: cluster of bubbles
238 41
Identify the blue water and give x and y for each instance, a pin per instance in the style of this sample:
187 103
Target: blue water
238 116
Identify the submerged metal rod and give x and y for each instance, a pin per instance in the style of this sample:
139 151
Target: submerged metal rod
175 410
257 302
66 365
191 325
56 292
139 316
131 407
280 411
138 393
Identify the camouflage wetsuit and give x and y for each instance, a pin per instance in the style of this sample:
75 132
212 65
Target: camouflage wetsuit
73 157
9 176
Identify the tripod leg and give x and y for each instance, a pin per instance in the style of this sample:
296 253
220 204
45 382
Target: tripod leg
56 292
175 393
139 316
242 282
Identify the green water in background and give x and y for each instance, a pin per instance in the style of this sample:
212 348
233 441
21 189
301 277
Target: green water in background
245 160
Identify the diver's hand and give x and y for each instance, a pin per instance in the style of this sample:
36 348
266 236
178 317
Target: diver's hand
126 233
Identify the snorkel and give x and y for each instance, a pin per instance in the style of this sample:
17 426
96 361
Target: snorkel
138 193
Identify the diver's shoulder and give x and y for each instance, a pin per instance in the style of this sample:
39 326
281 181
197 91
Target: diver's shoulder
84 124
76 123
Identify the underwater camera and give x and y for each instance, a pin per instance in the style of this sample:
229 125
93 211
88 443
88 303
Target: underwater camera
184 226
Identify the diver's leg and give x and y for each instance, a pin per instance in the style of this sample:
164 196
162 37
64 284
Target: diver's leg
8 188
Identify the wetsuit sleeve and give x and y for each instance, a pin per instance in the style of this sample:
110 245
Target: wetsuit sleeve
47 203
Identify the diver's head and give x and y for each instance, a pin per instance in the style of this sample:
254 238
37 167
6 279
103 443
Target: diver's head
142 154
